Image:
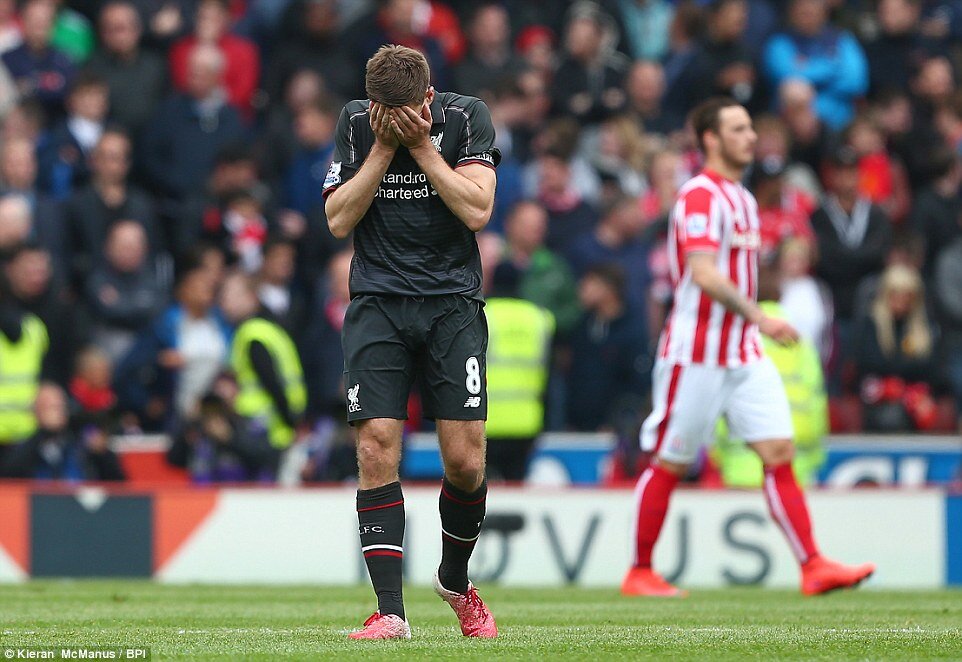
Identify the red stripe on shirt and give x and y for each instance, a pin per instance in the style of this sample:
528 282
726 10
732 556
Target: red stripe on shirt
672 389
729 318
701 328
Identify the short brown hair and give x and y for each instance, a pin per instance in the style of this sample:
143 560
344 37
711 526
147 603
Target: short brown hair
397 76
707 117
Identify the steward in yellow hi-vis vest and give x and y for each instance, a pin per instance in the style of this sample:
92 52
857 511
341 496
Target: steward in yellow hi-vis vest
801 370
21 362
270 378
265 361
519 354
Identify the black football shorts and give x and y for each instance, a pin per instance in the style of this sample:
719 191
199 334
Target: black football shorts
389 341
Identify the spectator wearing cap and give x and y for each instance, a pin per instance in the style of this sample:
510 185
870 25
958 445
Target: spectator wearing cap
105 200
723 63
829 59
608 368
801 189
644 27
853 237
780 218
136 77
241 73
189 129
589 83
38 68
489 60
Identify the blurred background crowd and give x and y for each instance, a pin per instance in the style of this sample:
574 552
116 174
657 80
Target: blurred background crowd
167 266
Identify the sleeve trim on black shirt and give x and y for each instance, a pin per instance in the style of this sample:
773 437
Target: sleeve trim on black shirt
350 135
471 159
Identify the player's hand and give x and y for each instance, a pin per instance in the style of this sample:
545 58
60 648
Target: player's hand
412 128
380 116
778 330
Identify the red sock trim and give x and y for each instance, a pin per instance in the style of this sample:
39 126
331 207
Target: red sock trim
652 495
789 509
379 507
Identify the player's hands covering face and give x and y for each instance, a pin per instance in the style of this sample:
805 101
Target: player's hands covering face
380 116
413 129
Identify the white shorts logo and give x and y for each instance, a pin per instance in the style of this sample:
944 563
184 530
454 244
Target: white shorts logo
473 402
353 405
696 225
333 175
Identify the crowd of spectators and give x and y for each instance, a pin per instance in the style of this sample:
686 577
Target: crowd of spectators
149 150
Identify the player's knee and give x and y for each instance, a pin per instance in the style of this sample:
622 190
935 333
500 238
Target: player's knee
466 471
377 450
678 468
776 452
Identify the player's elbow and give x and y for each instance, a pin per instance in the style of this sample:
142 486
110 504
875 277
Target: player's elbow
339 230
336 222
477 220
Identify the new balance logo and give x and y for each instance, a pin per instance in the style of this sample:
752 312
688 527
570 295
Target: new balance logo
353 404
473 402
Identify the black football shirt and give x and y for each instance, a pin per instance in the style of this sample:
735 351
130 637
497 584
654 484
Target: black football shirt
408 242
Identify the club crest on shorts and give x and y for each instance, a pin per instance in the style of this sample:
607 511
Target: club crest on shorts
353 405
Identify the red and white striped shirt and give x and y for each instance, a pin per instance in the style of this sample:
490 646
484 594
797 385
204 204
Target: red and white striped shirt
715 215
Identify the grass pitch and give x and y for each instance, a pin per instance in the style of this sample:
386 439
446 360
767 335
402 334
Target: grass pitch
310 623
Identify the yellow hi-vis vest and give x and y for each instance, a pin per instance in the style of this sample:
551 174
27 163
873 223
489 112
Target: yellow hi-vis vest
801 370
20 364
253 401
519 345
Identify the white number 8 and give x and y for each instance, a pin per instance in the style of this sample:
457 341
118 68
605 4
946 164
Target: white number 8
473 382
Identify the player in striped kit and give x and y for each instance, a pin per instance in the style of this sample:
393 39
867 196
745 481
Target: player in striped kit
710 361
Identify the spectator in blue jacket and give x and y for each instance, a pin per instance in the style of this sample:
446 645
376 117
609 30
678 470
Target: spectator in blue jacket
314 126
38 69
65 152
828 58
174 362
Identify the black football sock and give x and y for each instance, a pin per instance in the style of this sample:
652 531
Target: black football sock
461 516
380 518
